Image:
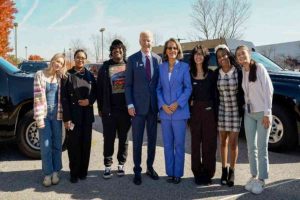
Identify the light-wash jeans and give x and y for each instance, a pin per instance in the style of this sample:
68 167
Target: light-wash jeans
51 143
257 142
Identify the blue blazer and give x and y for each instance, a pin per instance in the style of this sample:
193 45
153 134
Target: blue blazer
178 89
139 91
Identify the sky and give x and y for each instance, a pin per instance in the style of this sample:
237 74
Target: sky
47 27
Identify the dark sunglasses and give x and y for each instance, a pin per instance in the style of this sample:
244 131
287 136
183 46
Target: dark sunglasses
172 48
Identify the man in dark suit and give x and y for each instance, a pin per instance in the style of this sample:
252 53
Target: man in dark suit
140 91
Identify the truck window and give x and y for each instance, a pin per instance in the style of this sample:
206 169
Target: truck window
269 64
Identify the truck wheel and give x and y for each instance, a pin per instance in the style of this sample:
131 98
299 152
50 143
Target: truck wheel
283 134
28 136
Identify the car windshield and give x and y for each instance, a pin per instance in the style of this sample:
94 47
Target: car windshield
269 64
8 67
33 67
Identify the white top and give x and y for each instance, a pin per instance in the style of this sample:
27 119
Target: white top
170 74
151 61
259 93
229 73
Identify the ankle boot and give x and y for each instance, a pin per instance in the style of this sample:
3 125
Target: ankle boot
231 177
224 176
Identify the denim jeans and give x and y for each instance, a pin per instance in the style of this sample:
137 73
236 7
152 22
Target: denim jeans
257 142
51 142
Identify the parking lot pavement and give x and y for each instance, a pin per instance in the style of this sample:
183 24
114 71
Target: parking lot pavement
20 177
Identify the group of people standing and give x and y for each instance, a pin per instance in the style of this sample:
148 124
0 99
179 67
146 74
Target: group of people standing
131 92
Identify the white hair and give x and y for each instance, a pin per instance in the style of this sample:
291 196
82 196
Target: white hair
221 46
147 32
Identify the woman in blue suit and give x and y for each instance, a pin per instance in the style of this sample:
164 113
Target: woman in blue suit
173 92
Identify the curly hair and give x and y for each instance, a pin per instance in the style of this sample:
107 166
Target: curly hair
230 56
117 44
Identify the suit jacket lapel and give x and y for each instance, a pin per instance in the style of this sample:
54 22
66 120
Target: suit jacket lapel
165 74
140 64
155 66
175 73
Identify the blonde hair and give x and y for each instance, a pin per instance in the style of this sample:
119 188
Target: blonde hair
56 56
179 54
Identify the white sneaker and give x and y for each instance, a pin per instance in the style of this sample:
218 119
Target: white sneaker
47 181
249 184
107 173
258 186
55 178
121 171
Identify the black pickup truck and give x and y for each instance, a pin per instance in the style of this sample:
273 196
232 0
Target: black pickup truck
286 104
16 109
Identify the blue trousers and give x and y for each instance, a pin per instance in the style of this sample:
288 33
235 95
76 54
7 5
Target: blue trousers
51 144
173 132
257 142
138 126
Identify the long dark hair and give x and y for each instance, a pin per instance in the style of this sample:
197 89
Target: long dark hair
253 66
203 51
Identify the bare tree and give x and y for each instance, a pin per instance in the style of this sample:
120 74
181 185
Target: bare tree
77 44
95 38
220 18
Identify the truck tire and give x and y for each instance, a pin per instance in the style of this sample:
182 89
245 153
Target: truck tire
28 136
283 134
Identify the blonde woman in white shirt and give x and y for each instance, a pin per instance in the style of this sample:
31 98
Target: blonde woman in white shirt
258 91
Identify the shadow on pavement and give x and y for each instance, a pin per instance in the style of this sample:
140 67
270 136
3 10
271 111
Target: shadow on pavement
116 188
283 189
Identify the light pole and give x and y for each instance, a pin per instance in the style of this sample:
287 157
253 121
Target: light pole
16 41
102 30
25 52
70 57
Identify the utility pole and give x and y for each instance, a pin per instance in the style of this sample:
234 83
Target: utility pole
16 41
102 30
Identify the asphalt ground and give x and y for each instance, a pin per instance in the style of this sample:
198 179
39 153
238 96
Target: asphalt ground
21 178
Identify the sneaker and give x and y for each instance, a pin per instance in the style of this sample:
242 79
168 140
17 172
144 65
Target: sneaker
55 178
258 186
47 181
250 183
121 171
107 173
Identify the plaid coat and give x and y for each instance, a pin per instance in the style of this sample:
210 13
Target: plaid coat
40 101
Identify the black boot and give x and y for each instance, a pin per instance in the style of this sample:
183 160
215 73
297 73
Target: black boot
207 180
224 176
231 177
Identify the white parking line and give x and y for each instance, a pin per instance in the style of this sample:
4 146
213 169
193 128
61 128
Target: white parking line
270 186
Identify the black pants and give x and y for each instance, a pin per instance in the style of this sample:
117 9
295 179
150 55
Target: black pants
116 124
79 148
204 139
